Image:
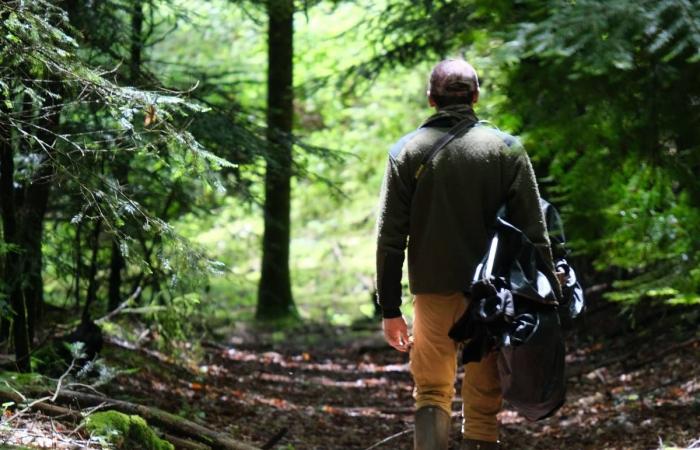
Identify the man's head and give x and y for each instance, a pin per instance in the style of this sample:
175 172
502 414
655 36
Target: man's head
453 82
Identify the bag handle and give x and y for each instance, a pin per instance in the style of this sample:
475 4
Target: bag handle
460 128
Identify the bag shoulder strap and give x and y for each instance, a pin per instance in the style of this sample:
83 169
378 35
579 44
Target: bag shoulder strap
459 129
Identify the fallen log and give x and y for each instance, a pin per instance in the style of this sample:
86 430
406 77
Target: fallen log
61 412
183 444
164 420
46 408
154 416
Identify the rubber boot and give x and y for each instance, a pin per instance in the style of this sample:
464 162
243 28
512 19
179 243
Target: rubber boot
473 444
432 429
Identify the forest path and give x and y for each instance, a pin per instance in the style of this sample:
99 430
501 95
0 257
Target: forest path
334 389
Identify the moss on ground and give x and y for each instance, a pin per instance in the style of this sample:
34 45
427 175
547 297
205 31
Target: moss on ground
125 432
19 381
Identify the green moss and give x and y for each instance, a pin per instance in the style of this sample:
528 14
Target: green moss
124 431
23 380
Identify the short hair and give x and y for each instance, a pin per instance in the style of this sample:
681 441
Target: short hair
453 82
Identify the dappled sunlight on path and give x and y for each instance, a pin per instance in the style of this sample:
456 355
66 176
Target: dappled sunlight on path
343 397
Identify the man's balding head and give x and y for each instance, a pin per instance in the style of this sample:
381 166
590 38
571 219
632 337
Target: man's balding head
453 82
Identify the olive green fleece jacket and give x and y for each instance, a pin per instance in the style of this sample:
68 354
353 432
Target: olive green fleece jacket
445 216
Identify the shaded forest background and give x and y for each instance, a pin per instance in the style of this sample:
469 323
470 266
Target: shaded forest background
176 172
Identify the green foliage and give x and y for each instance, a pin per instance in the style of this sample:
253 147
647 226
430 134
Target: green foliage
21 381
605 95
333 203
124 431
120 159
610 100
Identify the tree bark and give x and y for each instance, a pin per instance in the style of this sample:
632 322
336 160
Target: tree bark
34 199
13 270
116 265
121 165
91 296
274 291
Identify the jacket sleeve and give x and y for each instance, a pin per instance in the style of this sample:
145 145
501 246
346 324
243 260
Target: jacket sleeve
524 208
392 233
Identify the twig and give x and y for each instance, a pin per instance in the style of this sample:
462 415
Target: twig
121 307
36 402
47 408
24 399
390 438
60 381
86 386
80 426
27 408
92 409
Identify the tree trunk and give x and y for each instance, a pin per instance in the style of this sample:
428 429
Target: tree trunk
121 165
91 296
78 263
136 41
13 270
31 215
34 203
274 292
115 277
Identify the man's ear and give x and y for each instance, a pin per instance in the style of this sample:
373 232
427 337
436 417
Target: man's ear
475 97
431 102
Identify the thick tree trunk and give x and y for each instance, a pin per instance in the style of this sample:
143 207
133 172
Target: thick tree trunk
34 203
274 292
36 198
13 270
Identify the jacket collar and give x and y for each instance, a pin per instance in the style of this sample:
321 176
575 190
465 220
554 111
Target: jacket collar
450 116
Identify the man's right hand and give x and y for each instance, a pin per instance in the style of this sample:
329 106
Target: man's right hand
562 277
396 333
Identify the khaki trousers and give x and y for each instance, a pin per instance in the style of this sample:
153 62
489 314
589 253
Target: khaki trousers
433 362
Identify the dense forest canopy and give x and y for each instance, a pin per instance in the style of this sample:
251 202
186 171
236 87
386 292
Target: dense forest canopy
181 168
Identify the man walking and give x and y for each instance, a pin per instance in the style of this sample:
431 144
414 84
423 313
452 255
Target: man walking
442 209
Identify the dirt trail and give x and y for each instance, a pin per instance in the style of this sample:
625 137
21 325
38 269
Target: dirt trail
351 394
330 388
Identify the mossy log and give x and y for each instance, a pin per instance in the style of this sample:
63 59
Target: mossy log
61 412
125 431
155 416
